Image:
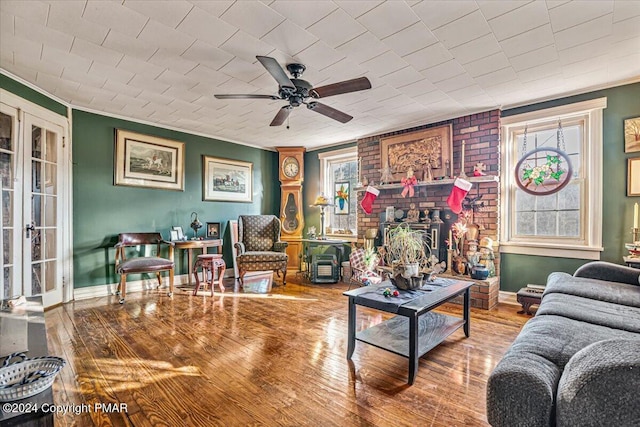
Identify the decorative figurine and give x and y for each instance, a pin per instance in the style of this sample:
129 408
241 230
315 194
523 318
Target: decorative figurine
479 168
408 183
413 214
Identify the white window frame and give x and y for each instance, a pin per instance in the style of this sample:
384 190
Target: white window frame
589 245
326 159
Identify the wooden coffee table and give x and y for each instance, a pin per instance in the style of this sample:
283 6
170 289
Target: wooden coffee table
415 329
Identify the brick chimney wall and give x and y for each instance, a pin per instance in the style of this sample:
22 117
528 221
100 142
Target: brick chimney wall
481 133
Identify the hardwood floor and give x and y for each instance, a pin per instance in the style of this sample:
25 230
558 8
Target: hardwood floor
248 359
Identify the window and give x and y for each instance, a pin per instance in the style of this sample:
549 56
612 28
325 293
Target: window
338 168
567 223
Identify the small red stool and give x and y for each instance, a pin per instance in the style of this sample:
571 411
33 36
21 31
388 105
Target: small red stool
209 264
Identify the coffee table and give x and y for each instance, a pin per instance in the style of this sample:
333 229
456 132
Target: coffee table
415 329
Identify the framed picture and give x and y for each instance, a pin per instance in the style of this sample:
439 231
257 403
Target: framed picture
633 178
179 232
174 235
632 135
148 161
432 146
213 230
226 180
342 196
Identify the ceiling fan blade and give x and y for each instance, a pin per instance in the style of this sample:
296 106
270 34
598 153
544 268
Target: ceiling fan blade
325 110
353 85
247 96
281 116
276 71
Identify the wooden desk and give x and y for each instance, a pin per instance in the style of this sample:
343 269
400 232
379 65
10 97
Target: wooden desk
36 341
190 245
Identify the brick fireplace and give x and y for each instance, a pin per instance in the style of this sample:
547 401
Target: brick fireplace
481 133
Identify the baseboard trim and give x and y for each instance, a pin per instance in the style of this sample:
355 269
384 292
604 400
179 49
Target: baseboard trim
506 297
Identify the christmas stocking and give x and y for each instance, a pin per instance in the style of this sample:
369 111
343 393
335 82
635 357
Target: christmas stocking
458 193
369 197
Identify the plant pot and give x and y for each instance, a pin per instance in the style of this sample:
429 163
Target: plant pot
403 284
406 270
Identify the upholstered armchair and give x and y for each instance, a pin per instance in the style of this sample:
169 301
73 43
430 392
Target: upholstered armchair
360 271
142 264
259 246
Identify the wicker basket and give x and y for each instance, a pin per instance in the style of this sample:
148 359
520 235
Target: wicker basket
27 376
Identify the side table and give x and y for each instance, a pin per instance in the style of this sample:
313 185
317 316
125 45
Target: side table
190 245
210 264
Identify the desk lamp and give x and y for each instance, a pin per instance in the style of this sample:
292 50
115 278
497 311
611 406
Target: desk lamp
322 203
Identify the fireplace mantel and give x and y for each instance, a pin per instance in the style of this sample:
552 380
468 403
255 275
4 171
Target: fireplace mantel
484 178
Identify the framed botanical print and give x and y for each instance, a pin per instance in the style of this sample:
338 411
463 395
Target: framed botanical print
341 196
226 180
633 178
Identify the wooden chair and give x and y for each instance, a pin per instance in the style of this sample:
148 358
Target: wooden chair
259 246
142 264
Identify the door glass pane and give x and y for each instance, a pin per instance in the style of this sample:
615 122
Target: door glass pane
36 142
7 249
50 147
36 210
36 282
6 291
6 131
50 243
6 169
36 245
36 176
50 276
50 178
7 206
50 211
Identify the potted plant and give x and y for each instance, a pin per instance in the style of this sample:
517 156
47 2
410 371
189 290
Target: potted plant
405 252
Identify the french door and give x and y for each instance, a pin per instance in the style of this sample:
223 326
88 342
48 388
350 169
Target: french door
34 192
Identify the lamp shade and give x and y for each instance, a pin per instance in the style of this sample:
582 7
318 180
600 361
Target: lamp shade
321 201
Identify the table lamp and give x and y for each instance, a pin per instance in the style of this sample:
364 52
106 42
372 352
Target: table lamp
321 202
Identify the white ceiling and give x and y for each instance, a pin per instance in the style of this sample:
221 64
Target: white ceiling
161 61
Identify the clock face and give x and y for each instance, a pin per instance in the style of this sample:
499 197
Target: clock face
290 167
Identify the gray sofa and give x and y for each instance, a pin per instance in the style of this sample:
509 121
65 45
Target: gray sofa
577 362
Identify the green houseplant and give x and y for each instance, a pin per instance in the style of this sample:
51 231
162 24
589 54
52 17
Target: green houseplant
405 253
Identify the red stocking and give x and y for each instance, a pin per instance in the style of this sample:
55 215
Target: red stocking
369 197
460 189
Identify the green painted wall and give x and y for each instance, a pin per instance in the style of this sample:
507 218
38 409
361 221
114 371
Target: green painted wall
623 102
29 94
102 210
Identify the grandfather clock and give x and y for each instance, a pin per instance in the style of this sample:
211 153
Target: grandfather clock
291 175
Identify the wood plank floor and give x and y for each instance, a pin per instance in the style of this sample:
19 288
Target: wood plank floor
247 359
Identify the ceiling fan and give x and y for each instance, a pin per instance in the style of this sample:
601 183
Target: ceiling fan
296 91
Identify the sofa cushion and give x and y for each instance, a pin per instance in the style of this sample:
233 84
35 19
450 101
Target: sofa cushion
614 292
591 311
600 384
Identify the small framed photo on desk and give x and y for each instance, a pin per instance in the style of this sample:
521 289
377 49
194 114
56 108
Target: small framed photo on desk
213 230
179 232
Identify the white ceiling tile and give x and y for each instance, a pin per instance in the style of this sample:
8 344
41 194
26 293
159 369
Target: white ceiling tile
206 75
168 58
108 72
454 83
115 16
410 39
207 55
160 35
96 92
54 83
319 56
527 42
169 13
234 85
74 96
444 71
492 9
129 46
403 77
143 82
624 49
6 24
534 58
487 64
26 72
255 18
24 60
66 16
32 11
176 80
215 8
583 33
95 52
420 87
363 48
289 38
388 18
341 70
384 64
9 42
466 92
135 65
42 34
625 9
336 28
463 30
520 20
181 105
65 59
243 70
429 57
629 28
356 8
578 12
549 70
476 49
117 87
154 98
246 46
304 13
435 14
206 27
496 77
587 50
82 77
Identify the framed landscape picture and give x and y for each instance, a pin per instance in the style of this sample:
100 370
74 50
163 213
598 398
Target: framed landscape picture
226 180
632 135
148 161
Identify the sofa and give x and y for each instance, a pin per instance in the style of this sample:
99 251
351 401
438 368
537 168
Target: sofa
577 362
